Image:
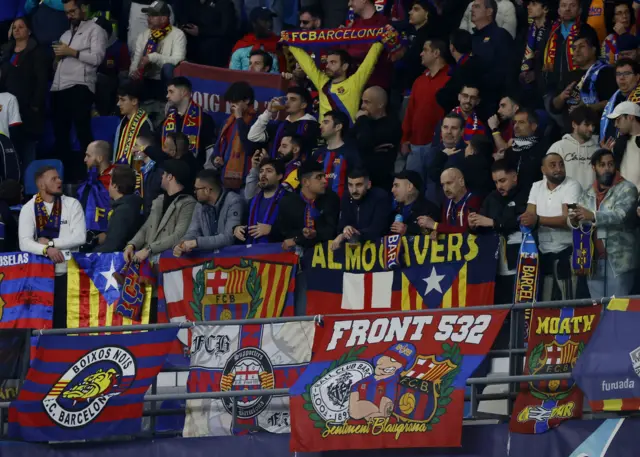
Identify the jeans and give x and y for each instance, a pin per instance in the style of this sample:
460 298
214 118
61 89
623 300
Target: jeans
619 285
72 106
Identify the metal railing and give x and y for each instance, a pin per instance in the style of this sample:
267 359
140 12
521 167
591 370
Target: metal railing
515 352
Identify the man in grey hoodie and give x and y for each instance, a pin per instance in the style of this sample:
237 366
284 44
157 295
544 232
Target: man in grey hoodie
577 147
218 211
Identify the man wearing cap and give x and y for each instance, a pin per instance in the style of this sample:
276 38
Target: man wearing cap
410 204
262 37
592 83
158 50
627 147
627 79
622 27
374 396
311 216
169 218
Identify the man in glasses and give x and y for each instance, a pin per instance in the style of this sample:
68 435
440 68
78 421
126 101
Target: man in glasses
310 18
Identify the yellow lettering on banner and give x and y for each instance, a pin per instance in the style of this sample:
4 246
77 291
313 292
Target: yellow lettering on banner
421 254
331 263
405 252
455 247
330 34
352 254
437 249
543 326
99 213
553 325
588 322
321 36
312 35
109 215
294 35
318 257
339 34
368 256
473 248
190 122
565 326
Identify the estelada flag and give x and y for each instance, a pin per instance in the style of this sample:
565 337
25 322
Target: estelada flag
87 387
453 271
94 294
237 282
557 338
26 291
389 381
608 371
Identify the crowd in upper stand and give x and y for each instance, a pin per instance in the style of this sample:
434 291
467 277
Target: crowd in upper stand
495 115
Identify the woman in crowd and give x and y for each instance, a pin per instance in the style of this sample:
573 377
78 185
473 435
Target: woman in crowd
24 72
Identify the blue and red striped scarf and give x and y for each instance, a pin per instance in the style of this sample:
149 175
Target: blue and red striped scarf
472 126
48 225
335 167
269 216
311 213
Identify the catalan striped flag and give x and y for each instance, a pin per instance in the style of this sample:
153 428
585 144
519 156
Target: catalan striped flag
236 282
26 291
88 387
455 271
93 292
608 371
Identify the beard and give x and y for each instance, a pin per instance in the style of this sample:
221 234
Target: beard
286 158
606 178
555 179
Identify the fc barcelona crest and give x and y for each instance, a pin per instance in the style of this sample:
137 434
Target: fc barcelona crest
233 287
553 358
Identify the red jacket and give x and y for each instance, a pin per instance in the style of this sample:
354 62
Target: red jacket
423 113
381 75
455 218
269 44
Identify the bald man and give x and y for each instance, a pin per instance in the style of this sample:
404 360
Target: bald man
94 192
378 137
457 207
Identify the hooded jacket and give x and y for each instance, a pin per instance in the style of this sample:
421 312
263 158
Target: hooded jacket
577 157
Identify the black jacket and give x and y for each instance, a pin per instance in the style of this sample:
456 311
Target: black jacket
412 62
493 46
420 207
290 220
28 82
9 242
124 223
528 164
447 97
505 212
368 215
217 26
192 162
370 133
475 168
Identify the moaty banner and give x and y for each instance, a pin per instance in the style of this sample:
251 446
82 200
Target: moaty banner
608 370
557 338
390 381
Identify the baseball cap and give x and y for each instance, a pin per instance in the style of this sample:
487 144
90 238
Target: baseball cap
627 42
309 166
413 177
623 108
158 8
261 12
178 169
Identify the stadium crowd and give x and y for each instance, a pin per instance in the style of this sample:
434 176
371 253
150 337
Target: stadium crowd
495 115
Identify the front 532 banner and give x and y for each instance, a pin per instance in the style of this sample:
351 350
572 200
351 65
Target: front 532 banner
402 274
390 381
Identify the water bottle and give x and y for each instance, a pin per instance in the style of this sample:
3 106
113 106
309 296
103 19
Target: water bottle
398 218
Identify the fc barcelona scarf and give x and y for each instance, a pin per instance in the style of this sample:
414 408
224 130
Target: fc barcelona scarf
154 40
48 225
551 49
582 257
190 125
129 135
231 148
473 125
270 213
133 277
98 206
534 37
527 274
314 39
311 213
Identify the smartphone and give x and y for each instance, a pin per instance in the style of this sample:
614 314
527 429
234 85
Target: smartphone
572 206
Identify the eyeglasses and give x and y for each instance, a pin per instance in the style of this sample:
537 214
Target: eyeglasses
304 22
196 189
624 74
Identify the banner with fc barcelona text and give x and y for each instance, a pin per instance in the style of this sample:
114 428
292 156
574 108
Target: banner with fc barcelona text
402 274
389 381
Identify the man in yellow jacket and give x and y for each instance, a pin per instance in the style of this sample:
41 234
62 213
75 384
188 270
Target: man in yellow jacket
336 91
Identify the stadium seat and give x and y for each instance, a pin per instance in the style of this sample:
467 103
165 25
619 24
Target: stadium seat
30 187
